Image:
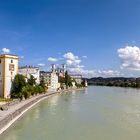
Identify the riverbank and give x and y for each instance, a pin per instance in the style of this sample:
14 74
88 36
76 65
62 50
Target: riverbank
14 112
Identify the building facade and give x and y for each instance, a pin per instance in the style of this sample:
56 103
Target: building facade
8 70
77 78
51 79
61 71
27 71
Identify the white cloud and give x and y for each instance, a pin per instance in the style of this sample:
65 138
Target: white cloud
130 57
71 59
41 64
84 56
74 66
95 73
52 59
70 56
109 73
5 50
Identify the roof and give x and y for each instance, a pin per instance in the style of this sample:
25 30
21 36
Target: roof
25 67
9 56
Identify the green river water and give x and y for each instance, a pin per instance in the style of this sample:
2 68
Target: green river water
96 113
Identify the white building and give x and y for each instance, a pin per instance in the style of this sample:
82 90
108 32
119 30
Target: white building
8 70
50 79
27 71
77 78
61 70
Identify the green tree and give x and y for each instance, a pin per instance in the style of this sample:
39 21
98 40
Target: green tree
32 80
26 92
138 82
18 83
68 80
61 80
42 84
83 83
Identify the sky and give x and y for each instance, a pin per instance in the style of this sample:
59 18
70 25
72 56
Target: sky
92 37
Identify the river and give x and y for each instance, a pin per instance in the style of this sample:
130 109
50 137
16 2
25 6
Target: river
96 113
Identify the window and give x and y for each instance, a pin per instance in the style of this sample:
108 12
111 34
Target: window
0 60
11 61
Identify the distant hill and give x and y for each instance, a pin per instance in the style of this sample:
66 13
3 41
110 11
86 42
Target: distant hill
115 81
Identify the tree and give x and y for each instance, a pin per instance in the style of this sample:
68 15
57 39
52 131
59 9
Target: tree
68 80
42 84
32 80
27 91
138 82
61 80
18 83
83 83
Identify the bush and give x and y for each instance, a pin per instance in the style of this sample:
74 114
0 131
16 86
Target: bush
36 90
27 91
18 83
40 89
32 80
22 89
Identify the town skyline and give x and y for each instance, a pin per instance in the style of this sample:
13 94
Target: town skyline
84 35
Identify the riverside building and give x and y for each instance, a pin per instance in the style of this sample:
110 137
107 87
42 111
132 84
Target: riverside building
77 78
8 70
61 71
27 71
51 79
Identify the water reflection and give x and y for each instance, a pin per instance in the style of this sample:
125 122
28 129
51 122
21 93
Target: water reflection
99 113
53 102
86 90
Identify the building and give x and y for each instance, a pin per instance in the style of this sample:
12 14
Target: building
51 79
61 71
86 83
77 78
27 71
8 70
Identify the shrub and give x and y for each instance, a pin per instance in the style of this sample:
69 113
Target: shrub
27 91
18 83
32 80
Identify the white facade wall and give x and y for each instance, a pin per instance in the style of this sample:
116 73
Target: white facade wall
8 70
51 79
77 78
2 78
54 81
27 71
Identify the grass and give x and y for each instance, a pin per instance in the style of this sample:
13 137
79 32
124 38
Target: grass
5 100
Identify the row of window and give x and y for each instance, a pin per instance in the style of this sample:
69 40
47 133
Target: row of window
11 61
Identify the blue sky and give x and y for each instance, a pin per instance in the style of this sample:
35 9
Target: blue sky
42 32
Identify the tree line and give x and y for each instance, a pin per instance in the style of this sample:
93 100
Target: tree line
115 81
24 88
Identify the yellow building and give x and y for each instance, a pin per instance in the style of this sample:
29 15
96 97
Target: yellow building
8 70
